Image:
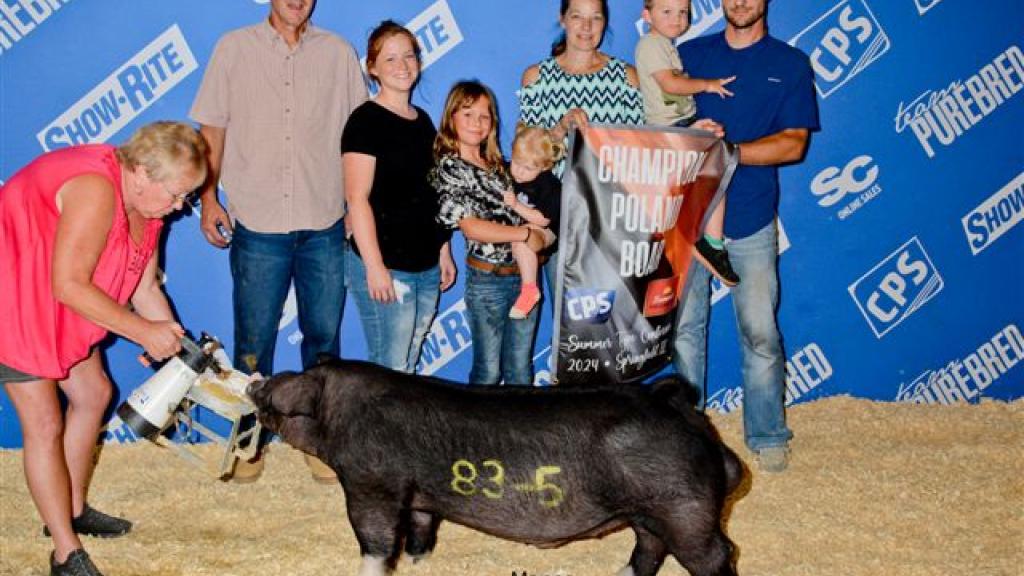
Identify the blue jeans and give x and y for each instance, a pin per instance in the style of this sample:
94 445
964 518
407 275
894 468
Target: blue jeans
263 266
502 347
395 330
754 301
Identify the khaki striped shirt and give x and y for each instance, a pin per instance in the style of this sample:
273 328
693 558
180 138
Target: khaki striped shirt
284 110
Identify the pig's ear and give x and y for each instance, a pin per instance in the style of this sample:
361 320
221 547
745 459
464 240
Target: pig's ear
300 396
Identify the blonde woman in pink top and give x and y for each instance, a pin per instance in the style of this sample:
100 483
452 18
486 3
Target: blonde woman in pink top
78 230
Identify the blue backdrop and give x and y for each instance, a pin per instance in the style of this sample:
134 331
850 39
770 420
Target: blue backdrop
901 266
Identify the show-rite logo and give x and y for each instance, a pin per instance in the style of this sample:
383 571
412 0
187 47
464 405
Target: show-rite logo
841 43
896 287
944 115
925 5
125 94
449 336
19 18
995 216
589 305
436 30
964 379
703 15
858 177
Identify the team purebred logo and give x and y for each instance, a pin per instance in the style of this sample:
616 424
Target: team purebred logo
589 305
896 287
841 43
925 5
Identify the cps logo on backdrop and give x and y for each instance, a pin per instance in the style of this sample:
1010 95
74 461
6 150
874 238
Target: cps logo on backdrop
858 177
842 42
896 287
925 5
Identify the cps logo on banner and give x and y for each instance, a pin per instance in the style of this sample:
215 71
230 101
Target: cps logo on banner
703 15
896 287
842 42
139 82
858 177
588 305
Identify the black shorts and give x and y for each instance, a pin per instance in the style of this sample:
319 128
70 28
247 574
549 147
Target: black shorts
8 374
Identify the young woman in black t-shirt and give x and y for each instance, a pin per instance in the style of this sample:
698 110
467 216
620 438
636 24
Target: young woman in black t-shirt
401 259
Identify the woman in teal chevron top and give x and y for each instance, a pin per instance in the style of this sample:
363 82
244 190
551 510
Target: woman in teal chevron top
579 83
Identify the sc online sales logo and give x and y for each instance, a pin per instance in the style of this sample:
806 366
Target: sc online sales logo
896 287
858 178
841 43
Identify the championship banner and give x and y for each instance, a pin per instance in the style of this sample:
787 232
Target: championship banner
634 200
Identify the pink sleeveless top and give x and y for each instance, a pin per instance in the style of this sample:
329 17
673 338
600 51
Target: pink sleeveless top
39 335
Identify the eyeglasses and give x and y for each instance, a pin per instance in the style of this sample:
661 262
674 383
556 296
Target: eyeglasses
191 197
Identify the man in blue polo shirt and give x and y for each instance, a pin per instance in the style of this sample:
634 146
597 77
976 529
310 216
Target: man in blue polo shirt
770 117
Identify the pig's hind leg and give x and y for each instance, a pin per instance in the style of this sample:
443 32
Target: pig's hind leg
694 536
421 534
648 554
376 524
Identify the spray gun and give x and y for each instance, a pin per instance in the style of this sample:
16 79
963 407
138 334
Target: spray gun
199 376
150 407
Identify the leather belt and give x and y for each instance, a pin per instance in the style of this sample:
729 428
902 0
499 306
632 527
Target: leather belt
491 268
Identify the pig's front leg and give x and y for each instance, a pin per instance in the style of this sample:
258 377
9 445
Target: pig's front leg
373 566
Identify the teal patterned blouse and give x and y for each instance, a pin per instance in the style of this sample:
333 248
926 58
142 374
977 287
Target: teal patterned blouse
605 95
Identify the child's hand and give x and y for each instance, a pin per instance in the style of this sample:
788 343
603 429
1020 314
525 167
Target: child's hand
717 86
510 198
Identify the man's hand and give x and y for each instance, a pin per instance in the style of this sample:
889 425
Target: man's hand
711 126
213 214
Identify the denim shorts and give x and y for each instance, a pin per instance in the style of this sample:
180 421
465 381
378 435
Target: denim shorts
8 374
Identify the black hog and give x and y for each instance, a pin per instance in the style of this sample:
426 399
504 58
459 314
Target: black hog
542 466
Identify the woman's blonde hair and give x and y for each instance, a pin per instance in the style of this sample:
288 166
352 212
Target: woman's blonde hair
536 143
463 95
167 150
